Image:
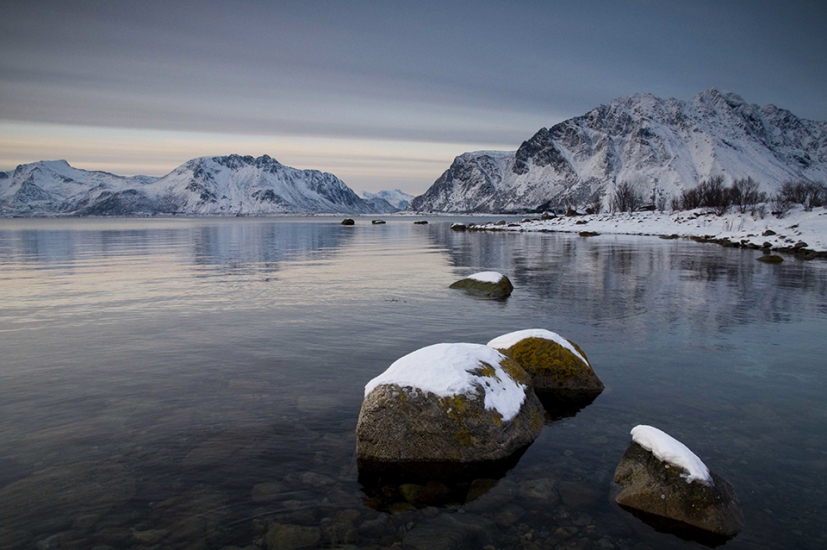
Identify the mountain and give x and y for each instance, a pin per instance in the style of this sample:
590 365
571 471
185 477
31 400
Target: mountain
658 145
398 199
226 185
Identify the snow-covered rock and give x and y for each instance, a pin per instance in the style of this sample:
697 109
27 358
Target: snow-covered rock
554 363
659 475
658 145
227 185
490 284
448 402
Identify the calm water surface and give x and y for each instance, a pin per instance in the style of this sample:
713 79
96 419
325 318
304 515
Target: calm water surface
196 383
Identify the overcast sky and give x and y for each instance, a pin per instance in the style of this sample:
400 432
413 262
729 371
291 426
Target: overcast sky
383 94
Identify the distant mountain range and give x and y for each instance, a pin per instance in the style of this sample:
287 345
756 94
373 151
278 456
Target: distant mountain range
226 185
398 199
658 145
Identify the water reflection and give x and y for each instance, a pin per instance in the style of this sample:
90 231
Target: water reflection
628 283
155 383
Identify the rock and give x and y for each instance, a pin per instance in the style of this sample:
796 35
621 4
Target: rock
348 221
451 532
486 283
377 222
509 515
663 489
458 227
768 233
554 363
410 492
56 496
540 489
339 533
434 492
266 491
500 222
578 495
421 222
460 403
669 237
548 216
292 537
589 234
771 259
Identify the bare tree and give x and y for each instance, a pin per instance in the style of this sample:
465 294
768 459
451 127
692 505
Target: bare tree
626 198
745 194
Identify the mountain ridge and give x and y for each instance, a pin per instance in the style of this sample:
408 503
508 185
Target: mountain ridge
218 185
662 146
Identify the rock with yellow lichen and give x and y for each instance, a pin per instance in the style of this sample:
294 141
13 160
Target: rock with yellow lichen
460 403
554 363
487 284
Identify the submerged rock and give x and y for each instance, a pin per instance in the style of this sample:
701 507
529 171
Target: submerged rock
554 363
771 259
461 403
660 476
486 283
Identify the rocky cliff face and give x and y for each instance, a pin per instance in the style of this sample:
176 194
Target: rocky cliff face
225 185
662 145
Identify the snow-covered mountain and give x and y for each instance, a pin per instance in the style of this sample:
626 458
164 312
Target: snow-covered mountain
398 199
662 145
203 186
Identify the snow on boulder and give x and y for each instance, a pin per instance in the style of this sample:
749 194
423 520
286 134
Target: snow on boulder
448 403
486 283
659 476
554 363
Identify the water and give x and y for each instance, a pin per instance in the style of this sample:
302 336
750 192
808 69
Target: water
196 383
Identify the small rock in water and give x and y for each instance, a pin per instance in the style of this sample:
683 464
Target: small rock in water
486 283
680 488
458 227
421 222
348 221
771 259
377 222
266 491
292 537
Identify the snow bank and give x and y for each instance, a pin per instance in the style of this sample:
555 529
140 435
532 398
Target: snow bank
447 369
668 449
797 225
486 276
507 340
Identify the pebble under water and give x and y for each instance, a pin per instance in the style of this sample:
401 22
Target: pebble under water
195 383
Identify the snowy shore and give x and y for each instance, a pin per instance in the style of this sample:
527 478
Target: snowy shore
798 231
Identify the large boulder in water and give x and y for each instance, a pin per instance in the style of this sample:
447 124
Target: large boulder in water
660 476
554 363
448 403
486 283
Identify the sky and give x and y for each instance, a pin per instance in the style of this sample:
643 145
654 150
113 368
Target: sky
384 94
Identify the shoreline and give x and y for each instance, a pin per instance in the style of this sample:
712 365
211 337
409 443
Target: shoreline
799 232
